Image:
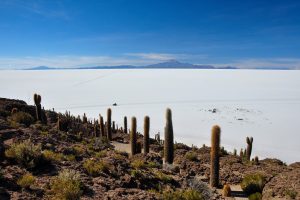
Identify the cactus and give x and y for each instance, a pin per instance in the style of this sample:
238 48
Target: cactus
113 127
96 128
214 156
169 144
133 136
146 134
109 136
125 124
138 147
249 147
226 191
37 101
234 152
102 133
256 161
84 119
241 153
58 123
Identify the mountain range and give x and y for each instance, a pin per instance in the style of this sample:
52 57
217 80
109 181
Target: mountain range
171 64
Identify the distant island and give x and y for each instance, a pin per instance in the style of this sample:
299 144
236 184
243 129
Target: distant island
171 64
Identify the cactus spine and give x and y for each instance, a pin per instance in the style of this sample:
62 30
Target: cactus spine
125 124
109 137
249 147
37 101
146 134
133 136
169 138
214 156
102 133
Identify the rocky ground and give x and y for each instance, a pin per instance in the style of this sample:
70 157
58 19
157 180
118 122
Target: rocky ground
116 174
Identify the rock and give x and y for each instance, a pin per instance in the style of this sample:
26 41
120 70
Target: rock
284 185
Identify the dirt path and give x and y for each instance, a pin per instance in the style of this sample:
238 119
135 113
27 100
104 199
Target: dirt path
237 192
121 146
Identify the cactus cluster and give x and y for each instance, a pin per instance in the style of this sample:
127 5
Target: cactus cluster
37 101
214 156
249 147
169 138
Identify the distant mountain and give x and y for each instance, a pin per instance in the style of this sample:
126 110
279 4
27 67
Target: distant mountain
171 64
40 68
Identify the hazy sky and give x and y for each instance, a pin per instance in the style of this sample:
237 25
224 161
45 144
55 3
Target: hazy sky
65 33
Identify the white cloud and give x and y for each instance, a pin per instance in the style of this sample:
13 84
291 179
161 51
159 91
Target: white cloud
155 56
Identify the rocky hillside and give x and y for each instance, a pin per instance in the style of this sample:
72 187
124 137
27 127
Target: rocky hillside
49 155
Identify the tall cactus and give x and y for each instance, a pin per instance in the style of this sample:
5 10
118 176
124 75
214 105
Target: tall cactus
58 123
249 147
37 101
125 124
146 134
84 119
102 132
214 156
169 138
241 153
133 136
114 127
109 136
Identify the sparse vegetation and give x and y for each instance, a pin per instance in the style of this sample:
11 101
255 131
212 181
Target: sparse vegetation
22 118
138 164
255 196
163 177
192 156
94 167
25 153
26 181
253 183
52 156
188 194
291 193
66 186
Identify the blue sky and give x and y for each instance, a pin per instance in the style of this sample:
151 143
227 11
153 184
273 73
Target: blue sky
66 33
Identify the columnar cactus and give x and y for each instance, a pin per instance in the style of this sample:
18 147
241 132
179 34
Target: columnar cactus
113 127
138 147
125 124
96 128
146 134
102 133
84 119
214 156
234 152
133 136
249 147
109 136
241 153
169 138
58 123
256 160
37 101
